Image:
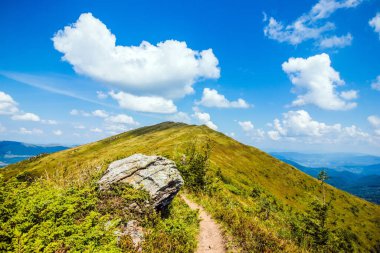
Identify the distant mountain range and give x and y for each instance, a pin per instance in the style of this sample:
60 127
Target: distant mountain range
355 174
13 151
356 163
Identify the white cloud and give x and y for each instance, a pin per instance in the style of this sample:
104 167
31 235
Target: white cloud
375 123
96 130
7 105
101 95
116 128
211 98
309 25
2 128
26 117
100 113
251 131
57 132
274 135
121 119
349 95
49 122
76 112
336 41
375 23
300 126
180 117
168 69
79 126
34 131
315 83
376 84
152 104
204 118
295 33
246 125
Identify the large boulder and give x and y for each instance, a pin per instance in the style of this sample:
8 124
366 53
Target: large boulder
155 174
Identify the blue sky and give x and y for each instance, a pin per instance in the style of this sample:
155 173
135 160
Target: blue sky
294 75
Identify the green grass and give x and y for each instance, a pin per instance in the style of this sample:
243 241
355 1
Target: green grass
55 213
235 171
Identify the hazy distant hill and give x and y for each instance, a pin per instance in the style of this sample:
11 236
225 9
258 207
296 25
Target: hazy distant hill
359 184
357 163
13 151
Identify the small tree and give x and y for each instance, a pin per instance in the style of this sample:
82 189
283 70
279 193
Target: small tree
194 165
316 219
316 223
323 177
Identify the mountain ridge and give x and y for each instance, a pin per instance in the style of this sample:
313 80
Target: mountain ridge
238 170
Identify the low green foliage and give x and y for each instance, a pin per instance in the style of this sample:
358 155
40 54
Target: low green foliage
194 165
40 215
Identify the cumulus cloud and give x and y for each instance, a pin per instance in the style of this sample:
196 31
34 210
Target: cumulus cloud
211 98
169 68
152 104
310 25
121 119
375 123
251 131
204 118
57 132
246 125
100 113
375 23
300 126
119 123
2 128
26 117
315 82
349 95
180 117
49 122
76 112
116 128
96 130
101 95
336 41
34 131
7 105
79 126
376 84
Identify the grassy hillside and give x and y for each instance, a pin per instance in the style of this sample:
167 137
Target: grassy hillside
258 199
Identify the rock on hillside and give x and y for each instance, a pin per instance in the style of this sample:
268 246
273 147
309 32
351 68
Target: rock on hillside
155 174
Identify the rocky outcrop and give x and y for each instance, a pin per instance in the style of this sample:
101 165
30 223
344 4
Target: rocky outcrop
155 174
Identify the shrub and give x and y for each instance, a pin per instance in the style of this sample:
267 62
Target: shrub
194 166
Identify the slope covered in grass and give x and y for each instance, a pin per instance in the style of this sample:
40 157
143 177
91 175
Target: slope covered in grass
259 200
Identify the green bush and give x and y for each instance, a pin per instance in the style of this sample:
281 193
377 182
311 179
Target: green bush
194 166
39 215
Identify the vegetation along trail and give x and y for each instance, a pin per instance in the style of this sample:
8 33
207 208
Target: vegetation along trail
210 237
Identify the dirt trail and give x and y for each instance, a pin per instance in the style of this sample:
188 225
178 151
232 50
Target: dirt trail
210 237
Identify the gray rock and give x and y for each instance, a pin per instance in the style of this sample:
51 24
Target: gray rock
136 233
155 174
